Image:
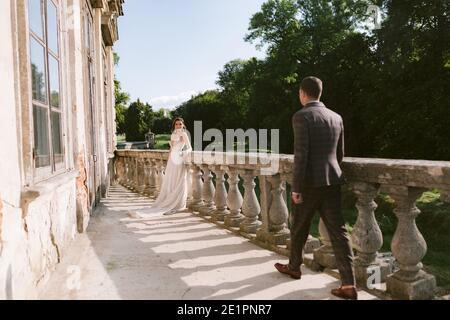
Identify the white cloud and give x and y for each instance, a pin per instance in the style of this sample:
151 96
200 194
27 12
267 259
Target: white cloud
170 102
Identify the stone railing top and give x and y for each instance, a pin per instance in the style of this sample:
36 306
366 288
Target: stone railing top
408 173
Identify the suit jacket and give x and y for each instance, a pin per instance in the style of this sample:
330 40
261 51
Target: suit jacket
318 147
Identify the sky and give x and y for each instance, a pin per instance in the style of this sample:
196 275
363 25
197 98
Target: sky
172 49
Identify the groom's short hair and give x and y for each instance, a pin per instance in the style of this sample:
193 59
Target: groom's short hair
312 86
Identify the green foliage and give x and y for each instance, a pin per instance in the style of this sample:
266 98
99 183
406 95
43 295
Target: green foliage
138 120
122 99
162 142
161 124
390 85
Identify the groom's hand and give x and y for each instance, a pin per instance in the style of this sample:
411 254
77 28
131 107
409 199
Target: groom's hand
297 198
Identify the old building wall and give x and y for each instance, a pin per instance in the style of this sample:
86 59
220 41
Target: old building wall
41 210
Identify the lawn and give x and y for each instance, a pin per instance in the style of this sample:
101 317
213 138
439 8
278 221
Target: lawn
162 142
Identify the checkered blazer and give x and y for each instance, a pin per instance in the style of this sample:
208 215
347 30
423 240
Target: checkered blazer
318 147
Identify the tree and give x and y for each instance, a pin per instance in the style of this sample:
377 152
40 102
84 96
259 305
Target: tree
138 120
121 101
161 123
390 85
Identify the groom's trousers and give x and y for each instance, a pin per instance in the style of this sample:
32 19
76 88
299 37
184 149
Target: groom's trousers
327 201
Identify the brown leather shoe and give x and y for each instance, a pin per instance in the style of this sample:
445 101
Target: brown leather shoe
283 268
347 293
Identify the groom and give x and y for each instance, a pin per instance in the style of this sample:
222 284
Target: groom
319 150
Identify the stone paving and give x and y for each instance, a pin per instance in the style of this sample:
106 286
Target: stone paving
179 257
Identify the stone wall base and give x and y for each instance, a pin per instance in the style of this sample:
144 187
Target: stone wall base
421 289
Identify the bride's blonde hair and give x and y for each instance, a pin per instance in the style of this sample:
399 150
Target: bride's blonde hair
175 122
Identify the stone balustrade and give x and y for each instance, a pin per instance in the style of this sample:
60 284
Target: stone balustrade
265 219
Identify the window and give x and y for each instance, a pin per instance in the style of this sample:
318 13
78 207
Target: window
48 149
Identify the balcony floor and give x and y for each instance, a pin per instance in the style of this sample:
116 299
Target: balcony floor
180 257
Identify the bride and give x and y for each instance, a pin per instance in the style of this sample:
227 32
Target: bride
173 193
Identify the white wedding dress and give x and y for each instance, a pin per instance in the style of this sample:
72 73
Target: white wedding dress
173 193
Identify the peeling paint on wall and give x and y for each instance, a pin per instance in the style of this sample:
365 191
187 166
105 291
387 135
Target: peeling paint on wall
82 195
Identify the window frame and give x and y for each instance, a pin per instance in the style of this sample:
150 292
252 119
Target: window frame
54 168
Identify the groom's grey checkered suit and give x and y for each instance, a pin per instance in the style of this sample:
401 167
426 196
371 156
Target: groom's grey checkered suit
318 151
318 147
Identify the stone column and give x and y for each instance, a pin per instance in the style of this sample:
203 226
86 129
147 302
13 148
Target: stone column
189 185
135 175
147 173
152 177
274 230
409 248
159 176
367 238
251 208
208 192
120 170
220 197
234 200
140 177
324 256
197 188
126 181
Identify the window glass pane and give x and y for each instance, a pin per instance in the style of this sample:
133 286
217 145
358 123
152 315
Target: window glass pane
35 17
57 137
52 19
41 145
54 81
38 71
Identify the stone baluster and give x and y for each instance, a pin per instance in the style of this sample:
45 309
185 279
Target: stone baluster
189 185
367 238
220 197
126 180
135 176
251 208
159 176
274 211
208 192
324 256
234 200
147 173
152 177
162 167
128 173
409 247
119 170
140 177
197 188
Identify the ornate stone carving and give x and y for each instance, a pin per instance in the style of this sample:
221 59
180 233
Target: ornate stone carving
409 248
197 188
220 197
234 200
251 208
367 238
208 192
274 230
